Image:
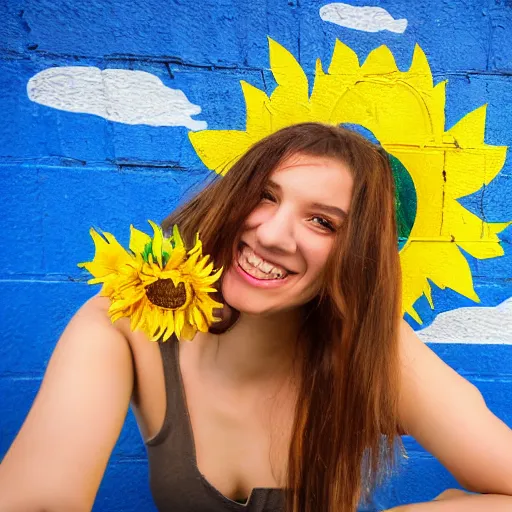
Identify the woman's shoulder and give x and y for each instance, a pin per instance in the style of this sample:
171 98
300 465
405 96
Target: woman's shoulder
96 310
148 399
75 419
429 387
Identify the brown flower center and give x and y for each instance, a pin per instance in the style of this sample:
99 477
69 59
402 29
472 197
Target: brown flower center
164 294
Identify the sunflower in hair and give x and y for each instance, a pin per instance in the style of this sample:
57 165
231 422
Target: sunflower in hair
162 287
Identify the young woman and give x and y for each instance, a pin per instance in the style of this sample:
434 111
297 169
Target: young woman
296 399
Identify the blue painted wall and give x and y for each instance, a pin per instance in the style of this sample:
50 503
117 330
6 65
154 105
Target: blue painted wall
62 172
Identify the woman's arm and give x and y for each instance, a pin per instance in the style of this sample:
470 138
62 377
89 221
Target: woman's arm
468 503
448 416
60 454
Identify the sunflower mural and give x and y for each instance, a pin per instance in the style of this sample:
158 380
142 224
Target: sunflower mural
406 113
160 286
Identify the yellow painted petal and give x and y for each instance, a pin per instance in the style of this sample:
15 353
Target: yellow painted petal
470 232
344 60
289 103
379 62
484 162
258 115
487 246
436 110
286 70
419 75
470 130
207 143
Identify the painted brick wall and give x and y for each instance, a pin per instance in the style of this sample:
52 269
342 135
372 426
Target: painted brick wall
63 171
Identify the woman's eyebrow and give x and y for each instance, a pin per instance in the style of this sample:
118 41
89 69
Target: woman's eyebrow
333 210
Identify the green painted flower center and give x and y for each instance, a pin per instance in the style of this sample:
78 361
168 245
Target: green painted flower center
405 200
164 294
405 193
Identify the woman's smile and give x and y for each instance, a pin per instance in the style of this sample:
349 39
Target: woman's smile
258 271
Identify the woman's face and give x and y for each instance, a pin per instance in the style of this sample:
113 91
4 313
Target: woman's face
287 238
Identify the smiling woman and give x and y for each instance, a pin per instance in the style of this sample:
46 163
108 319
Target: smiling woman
312 208
295 400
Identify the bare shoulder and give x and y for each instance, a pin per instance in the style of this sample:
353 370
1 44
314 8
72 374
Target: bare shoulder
428 384
58 458
148 400
421 366
448 416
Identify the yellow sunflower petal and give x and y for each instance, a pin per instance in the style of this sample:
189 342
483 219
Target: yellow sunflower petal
109 255
167 245
201 264
207 270
169 325
200 320
178 241
136 317
191 263
157 242
198 246
138 240
188 332
179 322
117 316
177 257
211 279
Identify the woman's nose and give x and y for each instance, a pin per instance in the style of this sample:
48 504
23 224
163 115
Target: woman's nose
277 233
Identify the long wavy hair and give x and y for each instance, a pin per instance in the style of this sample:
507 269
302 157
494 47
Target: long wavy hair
346 430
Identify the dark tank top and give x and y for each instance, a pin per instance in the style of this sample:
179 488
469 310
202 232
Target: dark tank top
176 483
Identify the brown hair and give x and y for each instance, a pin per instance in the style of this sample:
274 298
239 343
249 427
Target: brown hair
346 428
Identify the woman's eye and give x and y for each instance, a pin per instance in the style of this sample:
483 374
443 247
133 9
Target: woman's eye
266 195
323 223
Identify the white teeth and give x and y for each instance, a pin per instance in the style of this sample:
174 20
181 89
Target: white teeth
253 259
257 267
266 267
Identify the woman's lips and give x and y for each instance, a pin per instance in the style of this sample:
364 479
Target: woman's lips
260 283
244 252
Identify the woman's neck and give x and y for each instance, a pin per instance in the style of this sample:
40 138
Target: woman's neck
256 348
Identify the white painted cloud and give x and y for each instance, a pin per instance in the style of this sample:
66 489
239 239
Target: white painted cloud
368 19
472 325
130 97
